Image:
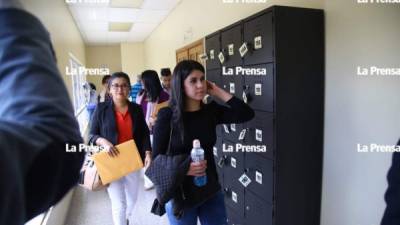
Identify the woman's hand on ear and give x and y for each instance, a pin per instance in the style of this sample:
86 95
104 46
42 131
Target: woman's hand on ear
215 91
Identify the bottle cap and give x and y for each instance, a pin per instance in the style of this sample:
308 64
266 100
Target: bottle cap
196 143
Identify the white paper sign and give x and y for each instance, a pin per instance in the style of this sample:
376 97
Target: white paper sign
242 134
233 127
221 57
212 55
244 180
232 88
257 42
244 96
257 89
226 128
231 49
234 196
233 162
259 135
243 49
258 177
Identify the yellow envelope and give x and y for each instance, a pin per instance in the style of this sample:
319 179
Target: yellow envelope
158 107
113 168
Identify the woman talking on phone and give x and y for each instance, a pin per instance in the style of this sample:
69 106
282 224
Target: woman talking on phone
190 119
115 122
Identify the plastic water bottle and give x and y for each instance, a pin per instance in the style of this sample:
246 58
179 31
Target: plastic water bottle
197 155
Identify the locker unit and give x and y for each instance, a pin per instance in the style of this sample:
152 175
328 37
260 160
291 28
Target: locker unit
274 61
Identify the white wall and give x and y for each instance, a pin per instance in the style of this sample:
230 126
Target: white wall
132 59
359 109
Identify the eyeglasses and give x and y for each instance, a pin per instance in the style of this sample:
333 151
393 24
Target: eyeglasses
116 86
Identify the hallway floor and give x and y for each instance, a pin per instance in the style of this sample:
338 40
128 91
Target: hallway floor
94 208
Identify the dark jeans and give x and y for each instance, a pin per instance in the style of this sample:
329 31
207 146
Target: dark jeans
211 212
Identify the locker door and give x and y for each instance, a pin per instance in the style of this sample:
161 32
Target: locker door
212 51
257 211
234 198
260 172
234 163
261 132
260 88
232 217
257 32
231 39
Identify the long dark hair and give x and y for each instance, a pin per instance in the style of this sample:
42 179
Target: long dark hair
152 86
178 98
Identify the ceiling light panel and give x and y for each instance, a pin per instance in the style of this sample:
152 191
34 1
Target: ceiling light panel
126 3
119 26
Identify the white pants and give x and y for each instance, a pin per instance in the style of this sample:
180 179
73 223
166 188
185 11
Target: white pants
123 194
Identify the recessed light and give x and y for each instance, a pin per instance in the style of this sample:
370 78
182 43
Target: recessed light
119 26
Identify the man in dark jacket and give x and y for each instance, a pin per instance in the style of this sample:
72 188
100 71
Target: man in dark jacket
36 120
392 196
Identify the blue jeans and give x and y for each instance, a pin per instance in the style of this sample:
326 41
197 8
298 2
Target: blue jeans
211 212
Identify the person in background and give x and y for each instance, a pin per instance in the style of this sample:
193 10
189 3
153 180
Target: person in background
166 79
92 98
36 120
104 95
136 88
392 196
114 122
151 95
188 119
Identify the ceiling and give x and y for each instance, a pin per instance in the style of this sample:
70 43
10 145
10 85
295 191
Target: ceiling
107 22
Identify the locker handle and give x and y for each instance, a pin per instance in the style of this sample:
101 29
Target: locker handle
227 192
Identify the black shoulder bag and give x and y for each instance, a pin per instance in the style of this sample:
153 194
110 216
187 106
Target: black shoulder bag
167 172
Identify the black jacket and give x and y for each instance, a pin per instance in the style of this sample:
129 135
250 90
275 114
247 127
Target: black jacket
104 125
392 196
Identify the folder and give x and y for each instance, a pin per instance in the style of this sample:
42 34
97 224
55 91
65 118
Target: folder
158 107
113 168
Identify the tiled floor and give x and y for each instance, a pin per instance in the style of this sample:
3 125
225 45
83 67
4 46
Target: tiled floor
94 208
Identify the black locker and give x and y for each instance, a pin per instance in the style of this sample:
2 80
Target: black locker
234 197
281 186
231 39
260 131
260 88
233 217
212 50
257 33
260 172
234 163
257 211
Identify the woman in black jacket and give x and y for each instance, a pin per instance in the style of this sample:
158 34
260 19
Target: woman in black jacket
114 122
190 119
